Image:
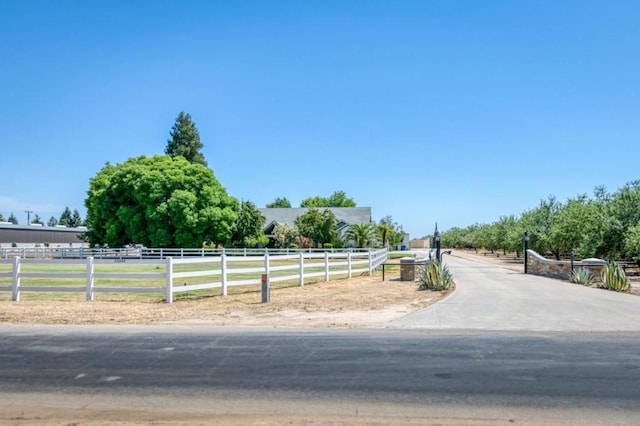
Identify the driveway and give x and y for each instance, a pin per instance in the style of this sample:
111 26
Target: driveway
492 298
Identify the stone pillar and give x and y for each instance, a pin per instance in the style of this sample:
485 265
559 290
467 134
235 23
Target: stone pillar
407 269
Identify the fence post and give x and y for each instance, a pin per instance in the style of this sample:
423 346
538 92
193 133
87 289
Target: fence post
301 269
15 294
370 263
169 278
90 269
349 264
223 272
326 266
266 290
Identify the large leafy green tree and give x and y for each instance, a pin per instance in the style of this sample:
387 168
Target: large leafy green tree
539 222
632 243
337 199
340 199
320 227
280 203
158 202
315 202
249 226
185 140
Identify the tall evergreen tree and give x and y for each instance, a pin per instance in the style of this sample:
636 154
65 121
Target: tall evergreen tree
65 217
12 219
76 220
185 140
52 221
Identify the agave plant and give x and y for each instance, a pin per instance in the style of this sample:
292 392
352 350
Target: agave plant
614 277
435 276
582 276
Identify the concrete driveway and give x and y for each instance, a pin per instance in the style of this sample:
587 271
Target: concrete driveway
492 298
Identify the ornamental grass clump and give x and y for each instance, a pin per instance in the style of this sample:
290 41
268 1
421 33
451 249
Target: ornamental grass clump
582 276
614 277
435 276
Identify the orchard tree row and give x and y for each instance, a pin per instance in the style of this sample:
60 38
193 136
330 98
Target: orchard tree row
174 200
605 225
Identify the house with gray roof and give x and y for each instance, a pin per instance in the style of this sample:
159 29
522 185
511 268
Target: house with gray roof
345 216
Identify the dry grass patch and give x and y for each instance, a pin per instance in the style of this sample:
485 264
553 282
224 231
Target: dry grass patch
357 302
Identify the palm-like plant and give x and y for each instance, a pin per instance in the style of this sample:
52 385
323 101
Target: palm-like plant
385 230
614 277
435 276
582 276
361 234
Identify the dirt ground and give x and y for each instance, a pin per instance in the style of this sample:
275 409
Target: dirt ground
360 302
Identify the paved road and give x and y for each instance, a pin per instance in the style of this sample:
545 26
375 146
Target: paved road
553 377
492 298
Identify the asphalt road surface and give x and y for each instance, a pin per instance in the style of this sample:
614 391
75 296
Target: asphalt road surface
437 377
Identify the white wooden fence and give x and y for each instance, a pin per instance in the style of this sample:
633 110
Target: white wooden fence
213 272
150 253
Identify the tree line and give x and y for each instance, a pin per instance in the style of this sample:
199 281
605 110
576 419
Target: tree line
175 200
337 199
67 218
604 225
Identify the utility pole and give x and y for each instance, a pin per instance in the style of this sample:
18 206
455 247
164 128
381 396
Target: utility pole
28 212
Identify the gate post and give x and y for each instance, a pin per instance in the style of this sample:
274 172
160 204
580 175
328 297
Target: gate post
526 248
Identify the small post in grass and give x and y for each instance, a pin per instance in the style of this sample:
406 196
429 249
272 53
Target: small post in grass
266 291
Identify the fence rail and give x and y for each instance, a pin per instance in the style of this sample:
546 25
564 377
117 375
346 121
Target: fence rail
181 274
151 253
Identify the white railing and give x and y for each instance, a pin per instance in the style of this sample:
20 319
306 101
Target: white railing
151 253
221 272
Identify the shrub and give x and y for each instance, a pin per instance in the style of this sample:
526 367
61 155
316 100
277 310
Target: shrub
435 276
582 276
614 278
327 246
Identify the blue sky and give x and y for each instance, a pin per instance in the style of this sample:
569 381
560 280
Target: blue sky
449 111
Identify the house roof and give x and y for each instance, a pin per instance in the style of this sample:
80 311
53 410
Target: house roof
347 215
